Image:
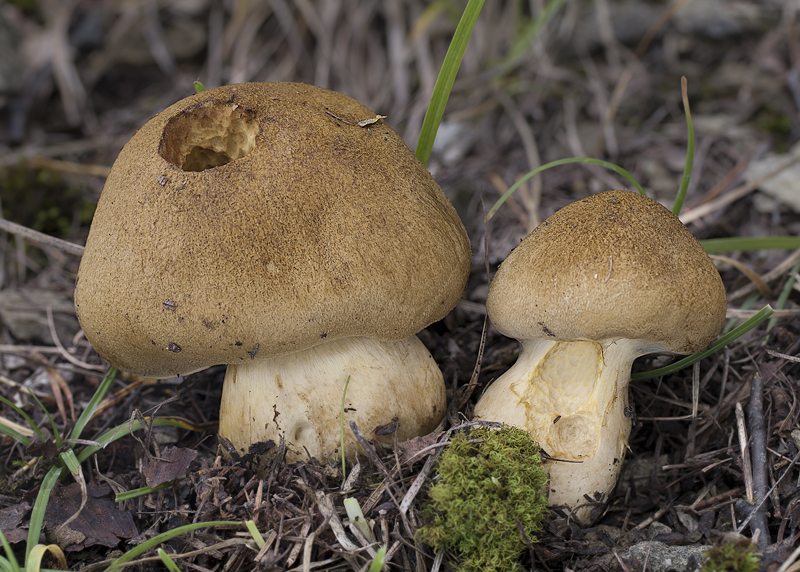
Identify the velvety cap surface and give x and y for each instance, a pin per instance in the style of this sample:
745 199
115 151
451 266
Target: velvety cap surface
259 219
614 265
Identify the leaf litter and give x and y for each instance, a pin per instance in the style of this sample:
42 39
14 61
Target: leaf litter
683 481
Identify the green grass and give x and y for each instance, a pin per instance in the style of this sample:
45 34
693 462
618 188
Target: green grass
606 164
722 341
69 461
444 82
689 163
750 243
453 509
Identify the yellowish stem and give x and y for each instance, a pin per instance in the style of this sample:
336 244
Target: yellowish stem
299 396
571 398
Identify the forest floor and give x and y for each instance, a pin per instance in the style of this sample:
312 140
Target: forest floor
601 79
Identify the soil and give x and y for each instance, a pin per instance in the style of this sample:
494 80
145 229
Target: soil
601 79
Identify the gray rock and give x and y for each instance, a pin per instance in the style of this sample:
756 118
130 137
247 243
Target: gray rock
663 558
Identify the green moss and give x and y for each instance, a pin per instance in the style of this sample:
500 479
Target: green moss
774 122
740 556
482 490
43 200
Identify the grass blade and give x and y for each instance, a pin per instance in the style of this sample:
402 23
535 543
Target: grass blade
253 530
780 303
168 562
18 437
27 419
9 564
356 516
723 341
720 245
39 508
56 434
689 164
71 462
6 566
34 562
91 407
134 493
122 430
523 43
377 562
444 83
163 537
610 166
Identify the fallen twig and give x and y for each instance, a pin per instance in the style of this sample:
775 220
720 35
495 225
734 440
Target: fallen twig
734 194
744 446
758 453
763 499
40 237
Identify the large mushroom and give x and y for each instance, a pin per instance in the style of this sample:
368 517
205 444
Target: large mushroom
260 226
599 283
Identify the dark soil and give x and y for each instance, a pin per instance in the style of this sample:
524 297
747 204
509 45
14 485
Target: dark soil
603 79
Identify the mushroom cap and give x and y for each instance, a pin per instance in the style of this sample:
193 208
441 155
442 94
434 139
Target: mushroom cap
259 219
616 265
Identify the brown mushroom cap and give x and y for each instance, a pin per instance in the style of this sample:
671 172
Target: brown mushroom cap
259 219
616 265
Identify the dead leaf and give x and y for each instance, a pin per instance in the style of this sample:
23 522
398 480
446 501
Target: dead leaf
10 519
60 387
412 449
47 449
99 523
388 429
371 120
173 464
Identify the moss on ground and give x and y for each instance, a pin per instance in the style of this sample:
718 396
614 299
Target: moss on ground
740 556
489 488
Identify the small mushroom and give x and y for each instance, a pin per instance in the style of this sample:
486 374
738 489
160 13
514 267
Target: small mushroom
256 225
599 283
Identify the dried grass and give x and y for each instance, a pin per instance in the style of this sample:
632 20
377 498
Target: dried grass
90 73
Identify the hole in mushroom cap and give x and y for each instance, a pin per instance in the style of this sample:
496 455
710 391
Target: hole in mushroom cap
209 135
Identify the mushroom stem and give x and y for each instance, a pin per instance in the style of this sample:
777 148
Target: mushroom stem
299 396
571 398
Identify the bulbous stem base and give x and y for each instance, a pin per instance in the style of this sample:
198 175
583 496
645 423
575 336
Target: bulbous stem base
571 397
299 396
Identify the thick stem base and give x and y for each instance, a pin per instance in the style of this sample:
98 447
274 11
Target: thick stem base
571 398
299 396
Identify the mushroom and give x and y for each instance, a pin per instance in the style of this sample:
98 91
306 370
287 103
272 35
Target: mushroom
258 225
599 283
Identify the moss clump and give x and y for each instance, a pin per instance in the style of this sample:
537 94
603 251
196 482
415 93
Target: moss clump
738 556
487 482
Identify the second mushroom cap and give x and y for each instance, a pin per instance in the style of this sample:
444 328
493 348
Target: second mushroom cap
614 265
